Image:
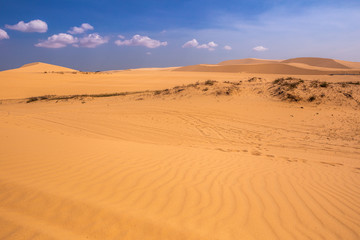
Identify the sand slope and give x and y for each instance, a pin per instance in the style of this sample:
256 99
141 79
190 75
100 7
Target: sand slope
270 68
210 160
14 84
178 169
318 62
354 65
39 67
248 61
297 66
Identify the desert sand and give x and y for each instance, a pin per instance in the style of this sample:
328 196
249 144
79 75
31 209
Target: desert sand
249 149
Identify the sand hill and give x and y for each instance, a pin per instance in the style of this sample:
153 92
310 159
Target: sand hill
354 65
248 61
318 62
39 67
162 154
270 68
296 66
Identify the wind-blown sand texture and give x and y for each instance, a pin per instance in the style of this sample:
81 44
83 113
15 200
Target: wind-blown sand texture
174 156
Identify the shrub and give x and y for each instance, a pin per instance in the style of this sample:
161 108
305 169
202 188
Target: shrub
253 79
314 84
312 98
32 99
179 90
292 98
209 82
324 84
279 80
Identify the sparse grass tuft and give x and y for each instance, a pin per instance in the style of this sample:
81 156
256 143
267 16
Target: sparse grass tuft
292 97
32 99
289 83
210 82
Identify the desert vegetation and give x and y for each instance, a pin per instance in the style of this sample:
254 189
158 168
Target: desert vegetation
286 89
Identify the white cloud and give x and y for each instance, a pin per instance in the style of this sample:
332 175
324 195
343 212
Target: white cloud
148 53
138 40
227 47
32 26
58 41
63 39
212 44
92 40
121 36
260 49
3 35
191 43
83 28
194 43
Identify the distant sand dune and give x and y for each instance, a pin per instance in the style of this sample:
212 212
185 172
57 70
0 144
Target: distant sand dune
270 68
353 65
310 61
248 61
318 62
39 67
297 66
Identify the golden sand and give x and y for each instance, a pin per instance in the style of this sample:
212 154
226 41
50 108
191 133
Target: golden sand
207 160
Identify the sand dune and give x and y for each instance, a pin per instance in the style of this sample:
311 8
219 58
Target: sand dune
318 62
326 63
248 61
353 65
270 68
39 67
16 84
229 159
297 66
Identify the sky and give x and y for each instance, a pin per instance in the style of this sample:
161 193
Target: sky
93 35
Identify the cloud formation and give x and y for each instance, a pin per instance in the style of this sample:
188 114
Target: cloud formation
227 47
32 26
92 40
138 40
83 28
260 49
194 43
63 39
191 43
58 41
210 46
3 35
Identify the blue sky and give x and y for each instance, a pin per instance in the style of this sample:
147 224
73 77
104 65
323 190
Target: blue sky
113 34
